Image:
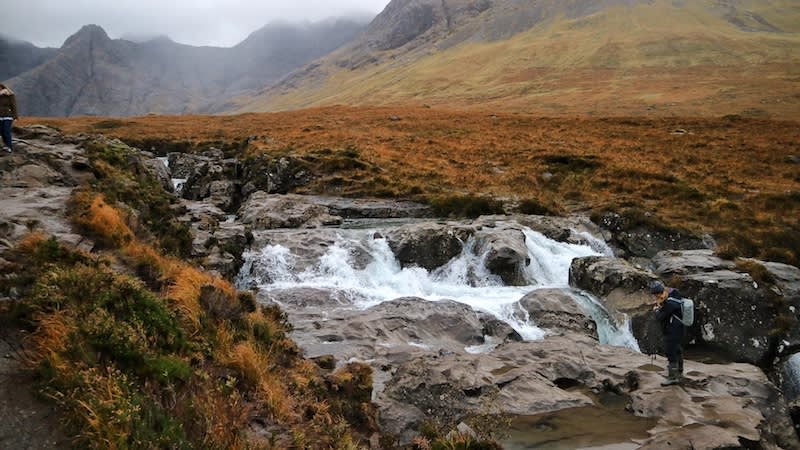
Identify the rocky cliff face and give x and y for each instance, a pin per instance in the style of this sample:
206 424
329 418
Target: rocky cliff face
95 75
17 57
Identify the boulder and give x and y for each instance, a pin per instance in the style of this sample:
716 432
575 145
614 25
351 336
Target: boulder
555 309
672 262
790 385
506 253
744 319
623 289
160 172
222 193
642 241
360 208
182 165
732 315
263 211
212 178
427 245
273 175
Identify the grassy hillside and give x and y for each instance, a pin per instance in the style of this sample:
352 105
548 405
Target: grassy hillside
734 177
663 58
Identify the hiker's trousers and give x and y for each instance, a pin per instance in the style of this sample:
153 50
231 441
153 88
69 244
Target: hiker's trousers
674 350
5 130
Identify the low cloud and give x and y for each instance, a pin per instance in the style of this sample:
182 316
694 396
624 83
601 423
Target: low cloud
196 22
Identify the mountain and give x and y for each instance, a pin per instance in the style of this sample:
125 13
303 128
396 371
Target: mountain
17 56
563 56
92 74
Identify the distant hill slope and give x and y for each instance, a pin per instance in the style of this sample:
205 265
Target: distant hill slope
17 57
94 75
695 57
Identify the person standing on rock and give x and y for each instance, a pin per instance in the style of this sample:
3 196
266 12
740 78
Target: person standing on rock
669 314
8 113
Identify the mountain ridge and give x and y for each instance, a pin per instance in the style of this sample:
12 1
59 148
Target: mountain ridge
527 54
92 74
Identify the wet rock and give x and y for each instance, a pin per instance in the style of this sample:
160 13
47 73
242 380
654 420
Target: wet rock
304 248
350 208
496 328
273 176
555 309
213 180
572 230
182 165
304 298
623 289
732 314
744 319
670 262
218 241
222 193
621 285
263 211
31 175
426 245
160 172
642 241
506 253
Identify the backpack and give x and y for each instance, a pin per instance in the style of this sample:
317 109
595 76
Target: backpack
687 311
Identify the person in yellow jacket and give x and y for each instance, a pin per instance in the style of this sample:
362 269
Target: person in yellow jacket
8 113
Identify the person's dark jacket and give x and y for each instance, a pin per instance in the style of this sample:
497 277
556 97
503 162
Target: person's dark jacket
8 104
669 316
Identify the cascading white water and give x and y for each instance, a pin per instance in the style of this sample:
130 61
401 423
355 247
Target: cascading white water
464 279
177 183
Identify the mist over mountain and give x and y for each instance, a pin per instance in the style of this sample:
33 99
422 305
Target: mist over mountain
18 56
92 74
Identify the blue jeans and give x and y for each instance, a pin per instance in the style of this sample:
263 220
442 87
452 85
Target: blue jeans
5 128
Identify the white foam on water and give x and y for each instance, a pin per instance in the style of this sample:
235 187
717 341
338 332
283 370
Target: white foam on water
464 279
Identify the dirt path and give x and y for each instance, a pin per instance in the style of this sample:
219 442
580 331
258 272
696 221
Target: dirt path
35 184
25 421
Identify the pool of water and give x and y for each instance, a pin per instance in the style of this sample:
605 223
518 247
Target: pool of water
605 427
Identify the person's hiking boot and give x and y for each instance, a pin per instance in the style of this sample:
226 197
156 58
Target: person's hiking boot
673 376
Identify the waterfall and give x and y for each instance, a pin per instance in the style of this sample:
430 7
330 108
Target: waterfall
465 278
177 183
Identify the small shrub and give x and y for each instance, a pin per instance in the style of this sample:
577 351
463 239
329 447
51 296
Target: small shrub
757 271
109 124
533 206
466 206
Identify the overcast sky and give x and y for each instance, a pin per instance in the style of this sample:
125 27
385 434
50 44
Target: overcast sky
196 22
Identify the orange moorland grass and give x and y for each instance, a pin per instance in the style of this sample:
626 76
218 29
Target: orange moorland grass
103 220
184 281
255 362
733 177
